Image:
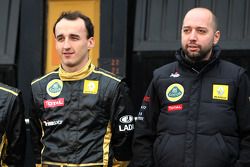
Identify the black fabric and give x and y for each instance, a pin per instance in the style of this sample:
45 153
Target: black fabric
74 132
12 125
208 126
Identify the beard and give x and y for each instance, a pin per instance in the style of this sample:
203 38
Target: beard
199 55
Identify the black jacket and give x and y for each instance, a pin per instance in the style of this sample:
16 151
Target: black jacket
12 127
194 115
84 122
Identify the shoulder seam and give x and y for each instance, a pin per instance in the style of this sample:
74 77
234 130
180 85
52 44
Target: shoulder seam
107 75
10 91
54 72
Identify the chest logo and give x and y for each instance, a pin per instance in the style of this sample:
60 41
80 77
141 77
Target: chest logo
54 87
53 103
90 87
174 92
176 107
220 92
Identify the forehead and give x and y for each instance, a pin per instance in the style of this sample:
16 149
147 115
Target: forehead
198 18
70 26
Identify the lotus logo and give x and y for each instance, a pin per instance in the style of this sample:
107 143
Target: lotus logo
126 119
55 88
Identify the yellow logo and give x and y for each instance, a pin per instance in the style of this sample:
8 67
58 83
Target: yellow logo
220 92
174 92
90 87
54 87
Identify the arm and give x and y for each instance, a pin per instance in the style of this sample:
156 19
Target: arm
122 123
35 131
15 133
145 130
243 113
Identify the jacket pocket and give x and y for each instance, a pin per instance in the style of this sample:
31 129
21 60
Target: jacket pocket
159 145
169 150
214 151
222 145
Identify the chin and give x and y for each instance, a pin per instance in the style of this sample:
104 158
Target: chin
192 54
69 64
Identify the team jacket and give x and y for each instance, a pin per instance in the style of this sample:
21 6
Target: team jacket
12 127
194 118
86 122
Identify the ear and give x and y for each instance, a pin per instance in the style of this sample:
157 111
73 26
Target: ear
91 42
216 37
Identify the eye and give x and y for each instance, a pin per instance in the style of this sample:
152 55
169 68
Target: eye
60 38
202 31
186 30
74 37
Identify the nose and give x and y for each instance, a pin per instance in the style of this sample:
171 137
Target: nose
193 36
66 44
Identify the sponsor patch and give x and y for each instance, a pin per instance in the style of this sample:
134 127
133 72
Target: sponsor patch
52 123
174 92
220 92
140 117
54 87
175 75
126 127
126 123
53 103
90 87
146 98
126 119
176 107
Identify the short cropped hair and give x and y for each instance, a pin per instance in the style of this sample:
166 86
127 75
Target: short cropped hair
73 16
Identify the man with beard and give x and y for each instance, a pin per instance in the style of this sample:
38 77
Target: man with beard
196 111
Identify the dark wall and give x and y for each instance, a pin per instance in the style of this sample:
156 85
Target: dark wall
30 45
30 53
113 36
9 11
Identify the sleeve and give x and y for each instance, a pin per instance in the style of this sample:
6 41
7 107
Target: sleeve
16 134
243 112
35 131
122 123
145 130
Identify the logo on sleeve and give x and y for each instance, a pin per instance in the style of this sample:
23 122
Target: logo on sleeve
174 92
90 87
126 123
54 87
146 98
220 92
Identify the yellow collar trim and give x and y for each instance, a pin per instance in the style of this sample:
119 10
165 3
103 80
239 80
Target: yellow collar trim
78 75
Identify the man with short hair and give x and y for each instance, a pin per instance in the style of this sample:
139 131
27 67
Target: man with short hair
196 111
81 115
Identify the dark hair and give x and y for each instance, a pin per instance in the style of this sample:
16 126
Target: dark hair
73 16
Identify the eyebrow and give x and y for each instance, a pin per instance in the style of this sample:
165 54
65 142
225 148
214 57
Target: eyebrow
74 35
58 36
195 27
71 35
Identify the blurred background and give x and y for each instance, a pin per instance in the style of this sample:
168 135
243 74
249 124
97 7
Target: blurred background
133 37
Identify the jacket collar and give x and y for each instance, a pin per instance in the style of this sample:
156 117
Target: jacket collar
201 66
78 75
